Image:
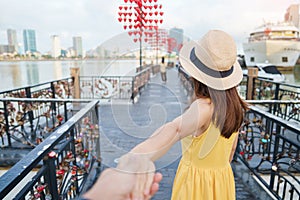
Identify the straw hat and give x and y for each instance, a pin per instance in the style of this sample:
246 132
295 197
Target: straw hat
212 60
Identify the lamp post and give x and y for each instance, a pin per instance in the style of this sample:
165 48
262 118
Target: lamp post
140 18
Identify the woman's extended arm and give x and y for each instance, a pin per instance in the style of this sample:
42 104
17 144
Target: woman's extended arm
168 134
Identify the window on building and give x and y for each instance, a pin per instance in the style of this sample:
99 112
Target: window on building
284 59
252 59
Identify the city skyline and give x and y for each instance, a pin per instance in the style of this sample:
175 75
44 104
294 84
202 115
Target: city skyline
96 21
27 44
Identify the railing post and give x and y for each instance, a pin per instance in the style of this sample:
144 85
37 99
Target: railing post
52 89
6 122
30 113
274 166
98 150
53 105
260 90
276 97
73 149
50 175
252 74
65 111
75 74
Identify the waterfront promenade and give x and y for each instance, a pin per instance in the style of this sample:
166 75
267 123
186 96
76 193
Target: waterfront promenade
123 125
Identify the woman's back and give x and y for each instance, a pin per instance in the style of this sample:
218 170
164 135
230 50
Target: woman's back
204 171
215 154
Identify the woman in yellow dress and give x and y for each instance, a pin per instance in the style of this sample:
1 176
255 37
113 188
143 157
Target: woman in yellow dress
209 128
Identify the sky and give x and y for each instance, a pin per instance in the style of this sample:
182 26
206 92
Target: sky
96 21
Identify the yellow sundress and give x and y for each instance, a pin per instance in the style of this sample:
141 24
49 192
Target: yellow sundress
204 172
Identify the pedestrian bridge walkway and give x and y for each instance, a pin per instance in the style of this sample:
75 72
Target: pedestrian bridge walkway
123 125
268 153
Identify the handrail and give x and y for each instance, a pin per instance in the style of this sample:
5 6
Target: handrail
278 120
35 85
273 101
65 134
114 87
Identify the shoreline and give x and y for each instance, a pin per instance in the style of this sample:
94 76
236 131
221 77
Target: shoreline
38 60
72 59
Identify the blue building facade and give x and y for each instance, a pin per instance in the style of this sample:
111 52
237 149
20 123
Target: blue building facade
29 41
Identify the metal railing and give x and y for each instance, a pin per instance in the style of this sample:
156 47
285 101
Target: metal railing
269 146
270 90
286 109
26 122
113 87
62 163
60 89
90 87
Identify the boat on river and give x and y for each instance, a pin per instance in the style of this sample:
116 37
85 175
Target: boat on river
278 44
269 72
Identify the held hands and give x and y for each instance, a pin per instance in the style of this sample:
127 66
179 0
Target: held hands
133 179
142 172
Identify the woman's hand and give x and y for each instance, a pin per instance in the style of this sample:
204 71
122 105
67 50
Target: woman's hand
133 179
142 172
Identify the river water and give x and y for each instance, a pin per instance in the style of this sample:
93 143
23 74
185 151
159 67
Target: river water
24 73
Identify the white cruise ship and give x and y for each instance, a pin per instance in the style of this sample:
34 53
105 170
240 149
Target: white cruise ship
277 44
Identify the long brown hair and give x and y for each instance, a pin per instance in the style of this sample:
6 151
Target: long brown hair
229 108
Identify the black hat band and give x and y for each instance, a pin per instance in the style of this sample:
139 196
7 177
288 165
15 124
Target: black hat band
216 74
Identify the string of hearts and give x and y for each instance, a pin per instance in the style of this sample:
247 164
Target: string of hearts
141 18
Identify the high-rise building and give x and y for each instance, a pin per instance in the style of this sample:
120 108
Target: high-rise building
77 46
56 48
29 41
6 49
12 39
177 34
292 15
